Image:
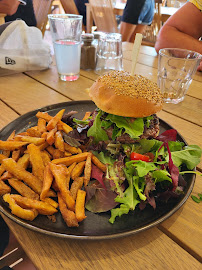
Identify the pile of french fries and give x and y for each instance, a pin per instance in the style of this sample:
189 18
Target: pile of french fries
38 164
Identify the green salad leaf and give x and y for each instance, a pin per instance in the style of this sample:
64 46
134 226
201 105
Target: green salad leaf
96 131
190 156
133 128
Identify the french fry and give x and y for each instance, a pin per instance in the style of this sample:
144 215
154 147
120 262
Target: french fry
34 140
43 146
41 125
10 138
22 161
2 157
70 168
51 136
56 153
4 188
72 149
47 182
98 163
11 145
43 208
78 169
2 170
44 135
68 215
36 161
51 202
53 122
44 115
28 214
69 160
80 205
59 142
34 132
20 173
87 169
61 125
46 157
86 116
67 154
16 154
76 185
23 189
60 175
66 128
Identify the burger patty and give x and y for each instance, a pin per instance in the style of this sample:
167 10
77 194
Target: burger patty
149 132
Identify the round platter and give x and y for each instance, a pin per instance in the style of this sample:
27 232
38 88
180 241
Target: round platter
95 226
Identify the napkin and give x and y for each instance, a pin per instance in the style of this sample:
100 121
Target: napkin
22 48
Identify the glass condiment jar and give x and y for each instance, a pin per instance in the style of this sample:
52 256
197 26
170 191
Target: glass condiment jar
88 52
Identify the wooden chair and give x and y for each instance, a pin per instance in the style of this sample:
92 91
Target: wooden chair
41 9
104 16
70 7
151 31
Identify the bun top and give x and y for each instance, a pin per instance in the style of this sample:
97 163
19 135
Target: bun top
119 93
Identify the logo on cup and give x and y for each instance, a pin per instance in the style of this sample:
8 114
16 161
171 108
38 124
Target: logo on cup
9 61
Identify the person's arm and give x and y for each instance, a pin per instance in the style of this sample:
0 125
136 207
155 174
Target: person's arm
182 30
9 7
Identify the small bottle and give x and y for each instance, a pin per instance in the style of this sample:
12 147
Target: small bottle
88 52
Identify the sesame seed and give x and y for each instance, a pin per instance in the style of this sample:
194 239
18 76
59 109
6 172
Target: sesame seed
133 86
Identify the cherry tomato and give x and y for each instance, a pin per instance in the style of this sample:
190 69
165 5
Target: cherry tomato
136 156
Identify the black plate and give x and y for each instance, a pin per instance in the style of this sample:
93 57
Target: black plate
95 226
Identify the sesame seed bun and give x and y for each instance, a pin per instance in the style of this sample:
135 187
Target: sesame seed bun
119 93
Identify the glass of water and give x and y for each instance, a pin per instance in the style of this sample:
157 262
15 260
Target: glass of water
176 68
66 32
109 53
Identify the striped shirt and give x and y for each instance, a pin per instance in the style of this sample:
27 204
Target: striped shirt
197 3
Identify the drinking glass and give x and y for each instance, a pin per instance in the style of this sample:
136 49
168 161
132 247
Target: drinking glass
66 32
176 68
109 53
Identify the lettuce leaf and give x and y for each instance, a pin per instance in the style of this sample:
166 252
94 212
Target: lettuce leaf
96 130
133 128
190 156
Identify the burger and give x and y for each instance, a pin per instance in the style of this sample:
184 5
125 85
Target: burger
142 167
127 107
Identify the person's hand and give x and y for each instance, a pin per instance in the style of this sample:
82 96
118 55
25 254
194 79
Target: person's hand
9 7
200 67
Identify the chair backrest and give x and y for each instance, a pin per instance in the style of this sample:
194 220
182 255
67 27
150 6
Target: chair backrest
41 9
69 6
104 16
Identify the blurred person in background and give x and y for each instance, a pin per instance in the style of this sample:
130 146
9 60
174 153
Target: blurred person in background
80 4
18 9
136 16
183 29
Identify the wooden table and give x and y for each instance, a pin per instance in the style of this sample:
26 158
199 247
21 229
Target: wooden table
175 243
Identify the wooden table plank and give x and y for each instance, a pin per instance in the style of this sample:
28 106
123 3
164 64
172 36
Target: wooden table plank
75 90
189 220
145 250
7 116
24 94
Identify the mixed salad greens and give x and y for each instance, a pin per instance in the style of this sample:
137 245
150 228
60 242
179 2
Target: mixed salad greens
139 173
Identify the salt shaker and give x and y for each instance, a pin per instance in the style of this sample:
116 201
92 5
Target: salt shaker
88 52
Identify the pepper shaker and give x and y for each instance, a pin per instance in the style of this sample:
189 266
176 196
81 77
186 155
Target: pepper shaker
88 52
